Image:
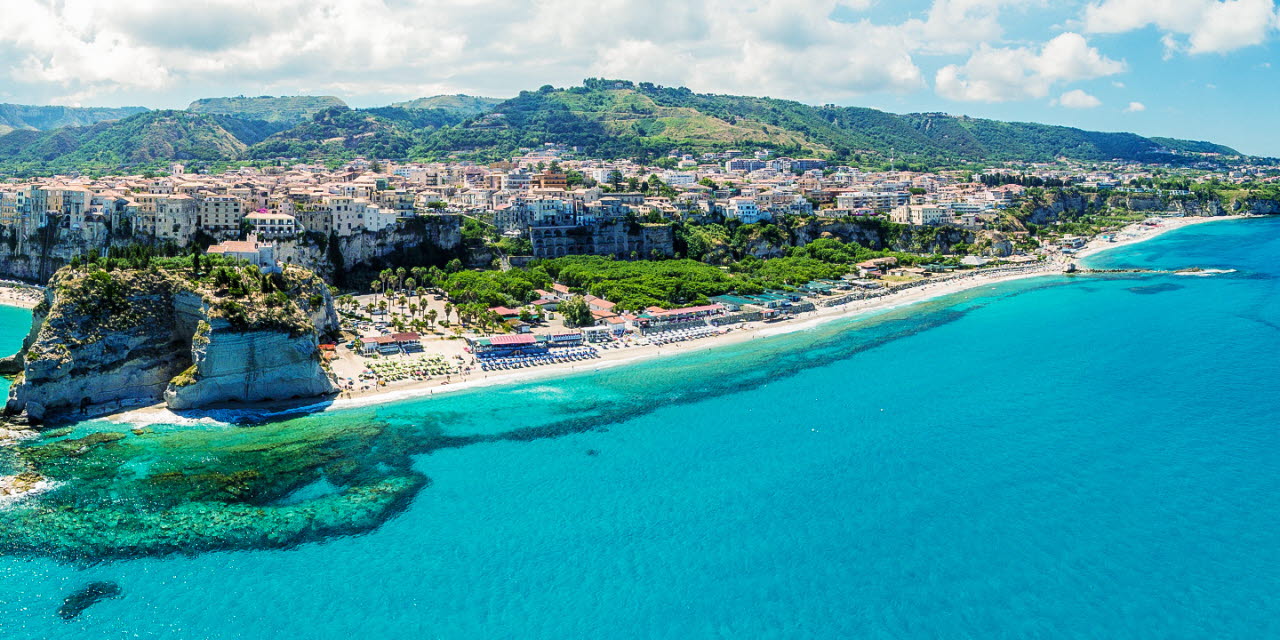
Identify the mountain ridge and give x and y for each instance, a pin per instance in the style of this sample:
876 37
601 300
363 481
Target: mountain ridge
600 118
45 117
290 109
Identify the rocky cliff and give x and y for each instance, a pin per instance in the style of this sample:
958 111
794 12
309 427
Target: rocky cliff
107 339
774 240
33 253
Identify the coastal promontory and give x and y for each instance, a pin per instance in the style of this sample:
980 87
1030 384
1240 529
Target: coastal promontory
190 332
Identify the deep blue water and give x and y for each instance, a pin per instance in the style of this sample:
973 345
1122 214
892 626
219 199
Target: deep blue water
1092 457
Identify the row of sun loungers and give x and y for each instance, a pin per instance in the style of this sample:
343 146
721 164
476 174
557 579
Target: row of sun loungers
681 335
556 356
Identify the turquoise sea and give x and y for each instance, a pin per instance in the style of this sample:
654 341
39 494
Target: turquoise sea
1087 457
12 321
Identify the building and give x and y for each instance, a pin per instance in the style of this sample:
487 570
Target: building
878 200
272 225
746 210
258 254
744 164
220 216
920 215
549 180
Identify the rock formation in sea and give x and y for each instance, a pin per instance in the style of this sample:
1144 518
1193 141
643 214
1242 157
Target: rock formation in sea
138 336
91 594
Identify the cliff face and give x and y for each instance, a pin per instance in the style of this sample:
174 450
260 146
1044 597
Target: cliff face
249 366
137 337
33 253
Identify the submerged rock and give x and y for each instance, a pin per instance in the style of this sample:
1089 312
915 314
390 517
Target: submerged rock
91 594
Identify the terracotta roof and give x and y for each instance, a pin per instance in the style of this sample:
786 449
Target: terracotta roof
234 246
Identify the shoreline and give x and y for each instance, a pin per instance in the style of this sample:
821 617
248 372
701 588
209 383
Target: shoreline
1052 265
159 414
20 294
1138 233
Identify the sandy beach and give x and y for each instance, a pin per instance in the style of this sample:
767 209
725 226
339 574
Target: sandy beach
1135 233
1054 264
17 294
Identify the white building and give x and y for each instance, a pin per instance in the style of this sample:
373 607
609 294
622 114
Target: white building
746 210
920 215
272 225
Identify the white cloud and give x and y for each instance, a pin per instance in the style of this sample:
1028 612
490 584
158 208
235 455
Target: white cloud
1208 26
790 48
959 26
1135 107
1002 74
1078 99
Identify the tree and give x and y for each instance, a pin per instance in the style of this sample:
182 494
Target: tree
431 316
576 312
453 266
376 285
615 179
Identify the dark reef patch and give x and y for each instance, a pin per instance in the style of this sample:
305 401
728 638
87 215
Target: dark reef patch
91 594
1152 289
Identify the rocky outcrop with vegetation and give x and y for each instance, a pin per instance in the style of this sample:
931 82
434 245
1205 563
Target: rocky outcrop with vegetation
192 334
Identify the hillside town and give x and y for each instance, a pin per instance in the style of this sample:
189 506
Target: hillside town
546 205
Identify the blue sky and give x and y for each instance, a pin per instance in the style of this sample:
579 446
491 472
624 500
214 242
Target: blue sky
1200 69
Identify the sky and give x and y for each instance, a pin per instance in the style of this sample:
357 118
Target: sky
1199 69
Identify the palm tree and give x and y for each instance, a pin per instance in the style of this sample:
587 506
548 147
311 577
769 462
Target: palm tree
431 316
376 285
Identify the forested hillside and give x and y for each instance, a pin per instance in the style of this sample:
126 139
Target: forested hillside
601 118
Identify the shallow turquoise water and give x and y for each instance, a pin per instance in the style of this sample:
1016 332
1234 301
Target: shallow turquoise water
14 323
1088 457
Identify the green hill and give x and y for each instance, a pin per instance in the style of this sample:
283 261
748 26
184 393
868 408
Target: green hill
43 118
288 109
1195 146
339 132
615 118
149 137
458 103
602 118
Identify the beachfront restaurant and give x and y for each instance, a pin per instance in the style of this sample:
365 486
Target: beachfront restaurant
566 339
732 303
659 319
410 342
386 345
509 346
